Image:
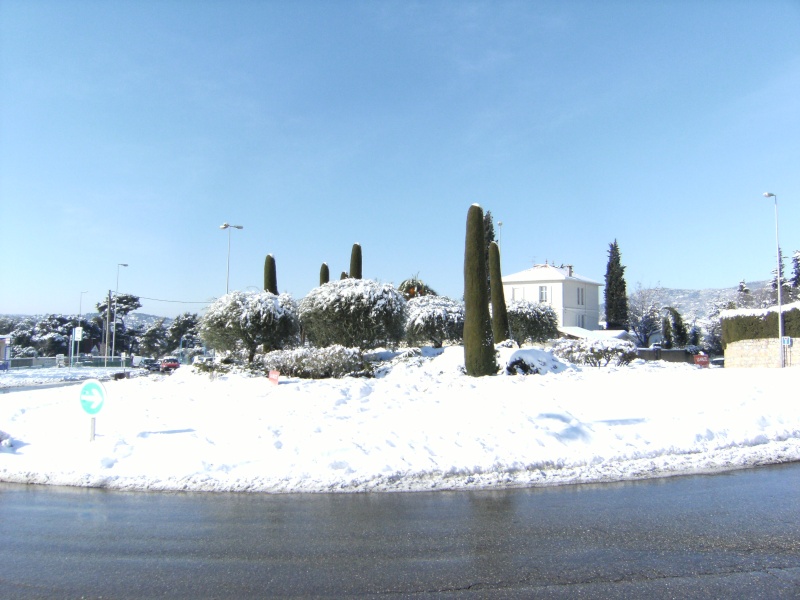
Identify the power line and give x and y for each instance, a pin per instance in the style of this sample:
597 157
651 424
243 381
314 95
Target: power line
175 301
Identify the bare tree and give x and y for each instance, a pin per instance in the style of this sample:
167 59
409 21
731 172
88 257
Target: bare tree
644 312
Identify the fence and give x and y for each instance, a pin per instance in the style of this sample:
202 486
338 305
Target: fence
41 362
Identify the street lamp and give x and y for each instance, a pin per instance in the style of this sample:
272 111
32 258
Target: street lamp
778 280
228 272
116 293
77 339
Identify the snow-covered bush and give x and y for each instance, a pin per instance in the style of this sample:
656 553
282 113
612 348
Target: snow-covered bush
532 321
316 363
247 320
532 361
355 313
434 319
597 353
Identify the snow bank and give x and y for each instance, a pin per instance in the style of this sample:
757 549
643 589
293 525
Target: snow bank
422 425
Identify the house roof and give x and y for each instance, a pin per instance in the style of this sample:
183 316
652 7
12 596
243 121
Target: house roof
544 273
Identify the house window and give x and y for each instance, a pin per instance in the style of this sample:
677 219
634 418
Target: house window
542 293
580 321
581 297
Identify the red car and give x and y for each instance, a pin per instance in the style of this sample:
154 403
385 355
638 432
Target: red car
169 364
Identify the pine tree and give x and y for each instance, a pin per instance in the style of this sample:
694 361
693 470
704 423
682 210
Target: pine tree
795 280
479 357
616 296
270 275
355 261
784 283
499 313
324 274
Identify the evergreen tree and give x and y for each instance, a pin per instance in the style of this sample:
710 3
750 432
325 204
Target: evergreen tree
184 327
744 299
680 335
616 296
270 275
488 238
247 321
355 261
153 340
324 274
787 293
795 280
666 333
479 357
499 312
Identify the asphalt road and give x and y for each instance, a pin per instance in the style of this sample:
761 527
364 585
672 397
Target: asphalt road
733 535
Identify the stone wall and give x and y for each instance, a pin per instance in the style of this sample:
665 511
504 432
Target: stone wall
757 353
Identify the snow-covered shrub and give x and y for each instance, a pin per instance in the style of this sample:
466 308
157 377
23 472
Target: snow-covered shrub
597 353
434 319
355 313
248 320
316 363
532 361
532 321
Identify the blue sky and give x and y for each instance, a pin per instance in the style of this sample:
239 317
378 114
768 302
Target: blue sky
130 131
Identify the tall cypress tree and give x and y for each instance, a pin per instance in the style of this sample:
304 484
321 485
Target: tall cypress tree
270 275
324 274
488 238
616 295
478 341
499 313
355 261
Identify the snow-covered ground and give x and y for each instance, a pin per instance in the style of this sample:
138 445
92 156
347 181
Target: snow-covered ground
422 425
17 378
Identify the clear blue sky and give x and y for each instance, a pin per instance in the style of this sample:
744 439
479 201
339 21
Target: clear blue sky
130 131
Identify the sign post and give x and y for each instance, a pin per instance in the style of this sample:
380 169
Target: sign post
92 397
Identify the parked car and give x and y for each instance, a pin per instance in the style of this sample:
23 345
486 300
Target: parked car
169 364
151 364
202 360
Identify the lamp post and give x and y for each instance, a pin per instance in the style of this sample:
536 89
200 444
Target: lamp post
228 271
77 338
116 293
778 281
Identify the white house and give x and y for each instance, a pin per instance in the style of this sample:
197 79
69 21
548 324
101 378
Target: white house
575 299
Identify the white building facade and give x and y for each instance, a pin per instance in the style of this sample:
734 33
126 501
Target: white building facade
575 299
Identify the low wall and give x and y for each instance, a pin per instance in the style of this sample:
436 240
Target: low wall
757 353
678 355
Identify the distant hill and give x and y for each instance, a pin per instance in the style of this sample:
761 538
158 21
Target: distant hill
698 304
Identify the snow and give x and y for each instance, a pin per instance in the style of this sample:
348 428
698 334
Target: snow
421 425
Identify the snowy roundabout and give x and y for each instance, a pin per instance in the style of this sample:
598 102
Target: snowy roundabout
421 425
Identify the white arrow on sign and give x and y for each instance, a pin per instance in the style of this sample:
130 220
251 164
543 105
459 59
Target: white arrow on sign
92 396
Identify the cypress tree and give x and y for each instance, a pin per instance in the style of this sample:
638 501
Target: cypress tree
478 341
355 262
343 275
666 333
270 275
616 295
324 274
488 238
499 313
